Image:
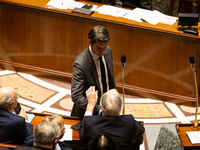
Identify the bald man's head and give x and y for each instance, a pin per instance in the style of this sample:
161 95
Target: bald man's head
8 98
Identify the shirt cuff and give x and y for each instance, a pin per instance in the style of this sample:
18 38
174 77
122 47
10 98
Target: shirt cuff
88 113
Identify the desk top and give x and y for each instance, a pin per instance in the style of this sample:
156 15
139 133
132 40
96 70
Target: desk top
181 131
172 29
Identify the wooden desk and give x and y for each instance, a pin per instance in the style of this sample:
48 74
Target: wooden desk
68 120
76 144
181 131
45 42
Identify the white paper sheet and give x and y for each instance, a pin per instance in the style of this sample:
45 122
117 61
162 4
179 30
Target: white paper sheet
68 133
111 10
194 136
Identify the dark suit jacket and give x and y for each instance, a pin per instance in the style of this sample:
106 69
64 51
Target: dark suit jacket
13 128
123 129
84 76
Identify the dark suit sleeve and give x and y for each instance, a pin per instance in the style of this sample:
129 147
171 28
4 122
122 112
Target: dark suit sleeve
138 129
83 134
29 141
29 128
77 86
23 131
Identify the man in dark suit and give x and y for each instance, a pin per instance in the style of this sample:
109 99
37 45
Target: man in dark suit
13 128
122 128
87 71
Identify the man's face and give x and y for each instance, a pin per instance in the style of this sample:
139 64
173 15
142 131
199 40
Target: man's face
99 48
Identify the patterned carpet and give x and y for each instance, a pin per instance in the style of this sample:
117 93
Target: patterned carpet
38 95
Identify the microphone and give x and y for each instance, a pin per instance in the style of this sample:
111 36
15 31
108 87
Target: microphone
195 122
192 61
191 58
123 60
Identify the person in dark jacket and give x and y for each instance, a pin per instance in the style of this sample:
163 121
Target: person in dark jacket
13 128
122 128
87 70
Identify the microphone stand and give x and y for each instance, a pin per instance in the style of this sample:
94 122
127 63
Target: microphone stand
195 122
123 90
123 60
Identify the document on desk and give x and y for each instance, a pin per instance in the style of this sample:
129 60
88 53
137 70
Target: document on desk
138 14
112 11
55 4
68 133
153 17
64 4
162 18
131 15
194 136
30 117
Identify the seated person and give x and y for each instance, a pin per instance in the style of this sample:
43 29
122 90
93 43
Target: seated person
122 128
46 135
102 142
13 128
29 141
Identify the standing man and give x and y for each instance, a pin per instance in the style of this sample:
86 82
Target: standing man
93 67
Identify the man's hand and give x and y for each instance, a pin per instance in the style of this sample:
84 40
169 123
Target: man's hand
92 97
23 114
